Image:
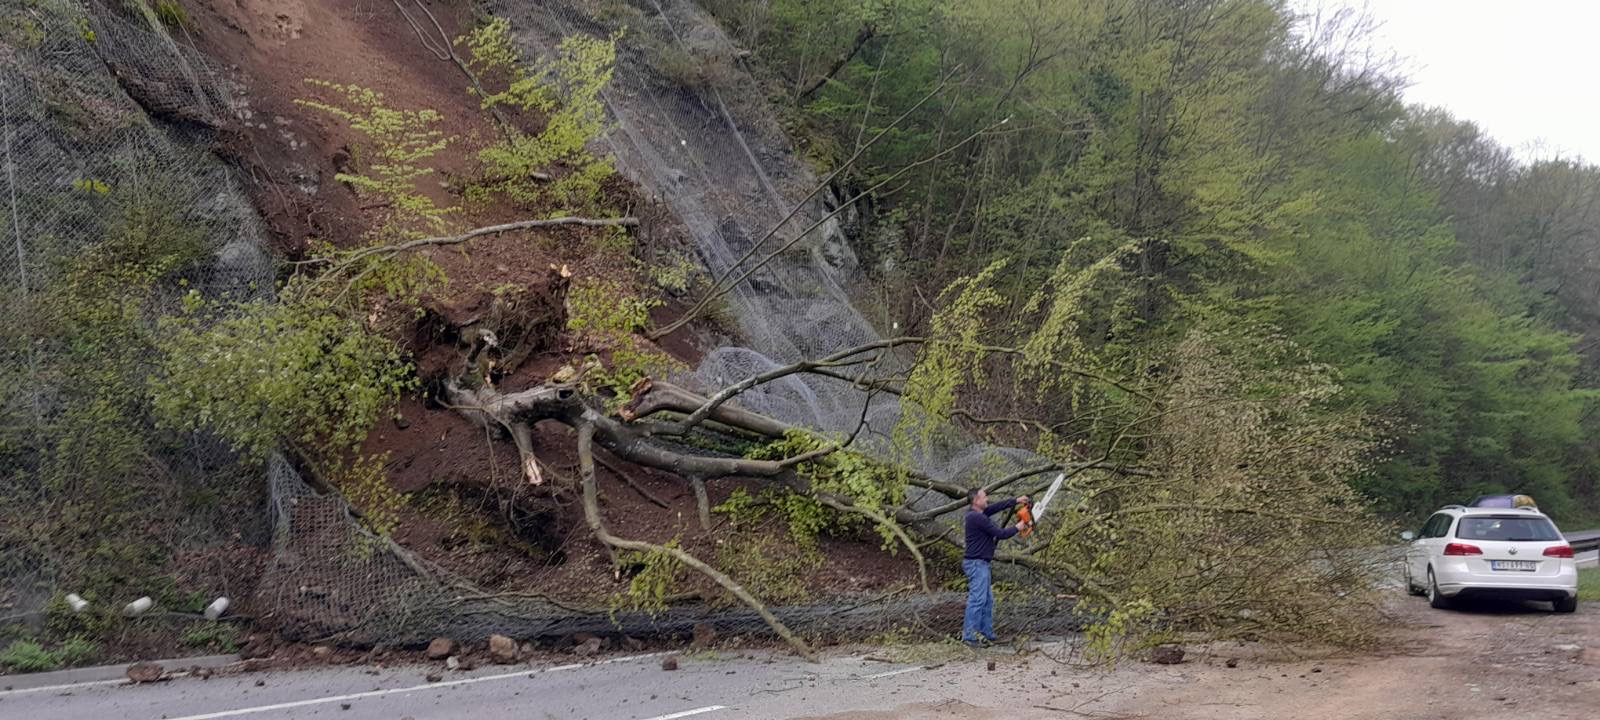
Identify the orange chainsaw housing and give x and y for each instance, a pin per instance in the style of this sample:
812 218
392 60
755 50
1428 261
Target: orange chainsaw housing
1025 514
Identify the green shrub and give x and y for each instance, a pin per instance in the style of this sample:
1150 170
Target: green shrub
28 656
77 650
218 636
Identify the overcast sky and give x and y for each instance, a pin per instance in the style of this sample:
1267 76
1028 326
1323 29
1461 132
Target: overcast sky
1527 72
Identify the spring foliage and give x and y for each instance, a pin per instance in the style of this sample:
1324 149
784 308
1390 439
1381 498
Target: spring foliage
565 91
1217 158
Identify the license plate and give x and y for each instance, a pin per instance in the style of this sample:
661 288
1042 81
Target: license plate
1522 565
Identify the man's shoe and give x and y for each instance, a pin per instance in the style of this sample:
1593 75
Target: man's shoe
993 641
974 644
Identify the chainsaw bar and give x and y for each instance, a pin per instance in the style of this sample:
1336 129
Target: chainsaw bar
1038 507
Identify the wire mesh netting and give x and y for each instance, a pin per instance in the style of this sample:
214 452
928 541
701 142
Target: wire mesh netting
102 112
82 169
711 149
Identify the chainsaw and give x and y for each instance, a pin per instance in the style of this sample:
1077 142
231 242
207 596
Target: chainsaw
1031 512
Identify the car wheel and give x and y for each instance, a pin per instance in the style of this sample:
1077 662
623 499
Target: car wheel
1566 605
1436 599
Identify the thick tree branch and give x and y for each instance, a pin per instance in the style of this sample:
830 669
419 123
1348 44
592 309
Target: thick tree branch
654 396
344 264
865 33
591 512
847 357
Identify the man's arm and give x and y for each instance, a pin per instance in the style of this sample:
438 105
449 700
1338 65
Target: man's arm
1000 506
995 531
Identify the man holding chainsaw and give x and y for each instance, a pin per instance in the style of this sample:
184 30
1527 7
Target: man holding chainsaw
982 534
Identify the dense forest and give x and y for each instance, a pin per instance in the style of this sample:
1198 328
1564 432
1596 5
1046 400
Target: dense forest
1242 162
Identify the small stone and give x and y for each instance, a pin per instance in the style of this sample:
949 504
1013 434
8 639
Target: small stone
441 648
433 677
1316 669
1166 655
322 651
590 647
261 683
452 662
502 649
144 672
991 666
1233 662
203 673
401 423
704 635
344 706
632 643
669 663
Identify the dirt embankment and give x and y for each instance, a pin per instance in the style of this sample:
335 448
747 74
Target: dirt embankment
469 509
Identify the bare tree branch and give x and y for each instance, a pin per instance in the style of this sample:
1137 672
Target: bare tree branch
591 512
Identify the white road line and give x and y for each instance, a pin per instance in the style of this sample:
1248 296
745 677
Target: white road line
891 673
67 686
414 688
88 683
687 713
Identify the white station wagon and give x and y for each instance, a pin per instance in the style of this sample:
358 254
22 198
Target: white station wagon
1507 553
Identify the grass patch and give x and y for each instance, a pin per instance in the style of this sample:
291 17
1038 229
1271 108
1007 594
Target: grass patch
217 636
28 656
1589 584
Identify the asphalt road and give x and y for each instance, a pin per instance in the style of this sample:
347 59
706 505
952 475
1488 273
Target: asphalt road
730 685
709 686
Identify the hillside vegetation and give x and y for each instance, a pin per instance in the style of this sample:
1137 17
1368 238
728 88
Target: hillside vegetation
1227 161
1187 255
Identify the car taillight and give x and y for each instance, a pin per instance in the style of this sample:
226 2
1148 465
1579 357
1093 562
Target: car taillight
1462 549
1558 551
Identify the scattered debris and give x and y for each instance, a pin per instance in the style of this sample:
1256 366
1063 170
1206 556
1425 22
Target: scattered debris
669 663
1166 654
704 635
503 649
144 672
441 648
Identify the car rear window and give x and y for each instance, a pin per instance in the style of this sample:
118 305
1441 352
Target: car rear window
1509 528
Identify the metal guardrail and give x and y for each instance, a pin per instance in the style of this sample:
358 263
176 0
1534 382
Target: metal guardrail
1584 540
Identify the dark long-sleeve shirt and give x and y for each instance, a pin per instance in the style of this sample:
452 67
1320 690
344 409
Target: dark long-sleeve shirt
982 533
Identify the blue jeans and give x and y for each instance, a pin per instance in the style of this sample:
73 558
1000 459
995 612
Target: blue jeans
980 601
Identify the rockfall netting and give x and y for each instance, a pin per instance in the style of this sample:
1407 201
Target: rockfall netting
330 580
90 487
691 128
